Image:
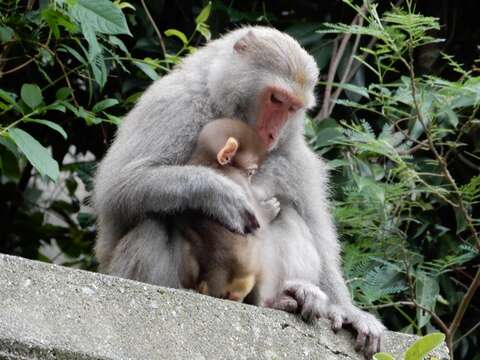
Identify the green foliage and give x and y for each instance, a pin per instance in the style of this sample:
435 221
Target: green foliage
406 198
383 356
419 349
403 148
423 346
74 52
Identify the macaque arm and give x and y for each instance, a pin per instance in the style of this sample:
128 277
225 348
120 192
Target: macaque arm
142 187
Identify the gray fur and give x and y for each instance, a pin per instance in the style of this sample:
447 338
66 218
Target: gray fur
143 176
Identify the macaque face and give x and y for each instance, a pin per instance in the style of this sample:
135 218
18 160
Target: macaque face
276 106
278 76
239 288
246 157
236 289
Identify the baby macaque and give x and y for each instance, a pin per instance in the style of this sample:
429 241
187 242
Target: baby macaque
216 261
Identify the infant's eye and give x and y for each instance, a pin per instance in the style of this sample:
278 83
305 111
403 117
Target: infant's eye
251 172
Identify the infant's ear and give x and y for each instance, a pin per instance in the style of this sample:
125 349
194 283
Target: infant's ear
227 153
245 43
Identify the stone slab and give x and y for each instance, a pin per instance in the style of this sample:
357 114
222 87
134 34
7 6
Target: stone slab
52 312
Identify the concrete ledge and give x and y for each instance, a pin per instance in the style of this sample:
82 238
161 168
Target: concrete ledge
52 312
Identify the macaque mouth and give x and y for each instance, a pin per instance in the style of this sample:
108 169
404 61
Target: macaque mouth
276 105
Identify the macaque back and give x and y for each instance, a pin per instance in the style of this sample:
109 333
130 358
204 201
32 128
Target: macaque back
215 260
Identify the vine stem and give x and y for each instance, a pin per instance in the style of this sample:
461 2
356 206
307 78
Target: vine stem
16 68
155 27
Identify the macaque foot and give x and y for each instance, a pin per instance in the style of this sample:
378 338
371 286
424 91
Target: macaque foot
369 328
271 208
301 297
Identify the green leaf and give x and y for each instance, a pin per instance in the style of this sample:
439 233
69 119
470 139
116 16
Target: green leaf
51 125
8 97
73 52
6 34
147 69
99 70
203 29
9 144
94 48
117 42
101 16
85 219
115 120
31 95
383 356
38 156
57 106
420 348
63 93
204 14
360 90
426 291
9 164
178 34
461 221
55 19
104 104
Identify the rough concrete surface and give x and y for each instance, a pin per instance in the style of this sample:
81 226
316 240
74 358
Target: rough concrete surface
52 312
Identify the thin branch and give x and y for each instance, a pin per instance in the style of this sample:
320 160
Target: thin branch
67 80
348 68
467 162
328 88
462 308
352 67
337 57
474 327
434 316
155 27
16 68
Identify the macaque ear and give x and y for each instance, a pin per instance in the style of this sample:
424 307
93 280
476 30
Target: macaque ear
245 42
226 154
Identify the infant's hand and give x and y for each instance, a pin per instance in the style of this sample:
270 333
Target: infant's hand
270 208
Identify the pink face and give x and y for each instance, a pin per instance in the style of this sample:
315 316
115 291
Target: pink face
276 105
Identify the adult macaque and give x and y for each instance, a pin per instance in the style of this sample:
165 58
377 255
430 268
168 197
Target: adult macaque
216 261
266 79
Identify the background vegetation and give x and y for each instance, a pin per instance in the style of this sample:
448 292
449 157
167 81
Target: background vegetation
397 120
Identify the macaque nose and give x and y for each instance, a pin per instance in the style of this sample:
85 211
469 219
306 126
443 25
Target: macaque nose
284 99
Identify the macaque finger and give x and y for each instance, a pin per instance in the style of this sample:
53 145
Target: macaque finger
252 223
337 322
360 342
372 346
286 303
